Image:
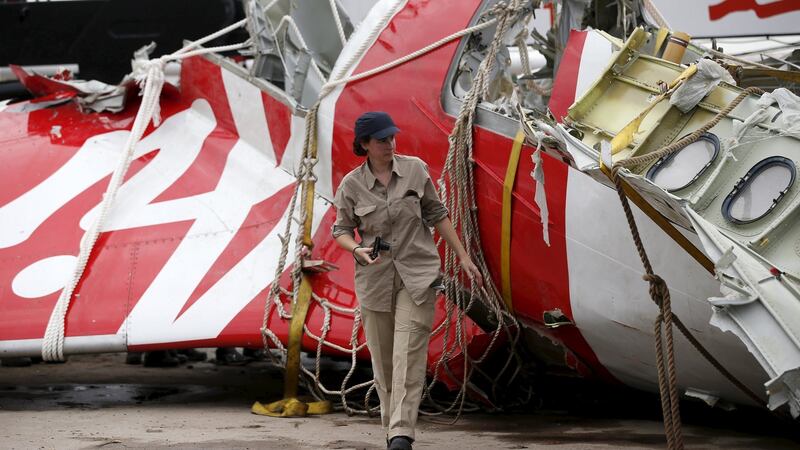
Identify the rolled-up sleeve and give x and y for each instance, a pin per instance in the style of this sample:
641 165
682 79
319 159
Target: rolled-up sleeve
345 218
432 208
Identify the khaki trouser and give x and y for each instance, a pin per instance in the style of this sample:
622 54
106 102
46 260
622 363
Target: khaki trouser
398 344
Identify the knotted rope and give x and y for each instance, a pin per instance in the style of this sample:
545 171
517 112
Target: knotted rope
659 292
305 176
457 188
502 12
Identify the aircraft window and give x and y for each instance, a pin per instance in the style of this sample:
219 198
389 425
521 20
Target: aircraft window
760 190
508 84
682 168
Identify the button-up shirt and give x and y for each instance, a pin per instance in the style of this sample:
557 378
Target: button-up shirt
401 214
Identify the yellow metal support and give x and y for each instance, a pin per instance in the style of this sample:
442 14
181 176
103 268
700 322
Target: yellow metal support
625 136
505 232
291 405
661 37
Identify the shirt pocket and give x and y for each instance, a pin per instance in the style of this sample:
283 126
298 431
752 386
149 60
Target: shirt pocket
368 218
410 204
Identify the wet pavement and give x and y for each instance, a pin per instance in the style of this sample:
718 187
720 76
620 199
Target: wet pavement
97 401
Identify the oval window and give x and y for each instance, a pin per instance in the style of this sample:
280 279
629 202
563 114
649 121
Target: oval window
680 169
759 191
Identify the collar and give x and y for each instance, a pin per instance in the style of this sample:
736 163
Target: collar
370 178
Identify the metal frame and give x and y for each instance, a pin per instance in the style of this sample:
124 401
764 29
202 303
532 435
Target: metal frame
655 168
748 178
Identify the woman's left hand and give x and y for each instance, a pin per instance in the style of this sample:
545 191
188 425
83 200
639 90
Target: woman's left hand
472 271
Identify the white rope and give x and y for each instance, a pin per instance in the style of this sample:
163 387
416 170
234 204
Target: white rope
341 69
270 5
211 37
149 75
651 9
338 21
220 49
291 23
456 298
410 56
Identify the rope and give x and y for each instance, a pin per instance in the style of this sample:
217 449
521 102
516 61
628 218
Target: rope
526 65
409 57
455 295
149 75
655 13
458 175
305 177
211 37
642 160
659 292
338 21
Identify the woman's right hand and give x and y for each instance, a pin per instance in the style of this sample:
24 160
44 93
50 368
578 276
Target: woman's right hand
362 255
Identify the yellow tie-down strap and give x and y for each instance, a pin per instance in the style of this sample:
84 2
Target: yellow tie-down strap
291 405
505 231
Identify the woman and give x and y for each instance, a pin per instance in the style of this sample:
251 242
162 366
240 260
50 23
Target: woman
392 197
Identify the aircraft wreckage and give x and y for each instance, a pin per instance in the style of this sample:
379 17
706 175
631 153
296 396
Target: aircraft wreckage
150 216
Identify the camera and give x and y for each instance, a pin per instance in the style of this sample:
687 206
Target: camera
378 246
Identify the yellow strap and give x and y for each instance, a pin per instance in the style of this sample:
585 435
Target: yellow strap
625 136
300 308
664 224
291 406
299 313
505 232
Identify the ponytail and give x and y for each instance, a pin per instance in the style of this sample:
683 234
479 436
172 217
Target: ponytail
357 148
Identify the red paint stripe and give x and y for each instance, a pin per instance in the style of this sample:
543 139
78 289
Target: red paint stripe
29 153
259 222
206 170
567 78
101 301
279 121
762 11
202 79
122 267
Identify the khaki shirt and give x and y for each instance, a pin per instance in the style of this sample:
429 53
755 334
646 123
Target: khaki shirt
402 214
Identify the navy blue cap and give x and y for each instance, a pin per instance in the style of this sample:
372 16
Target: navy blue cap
375 124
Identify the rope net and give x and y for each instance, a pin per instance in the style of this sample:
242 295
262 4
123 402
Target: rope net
353 395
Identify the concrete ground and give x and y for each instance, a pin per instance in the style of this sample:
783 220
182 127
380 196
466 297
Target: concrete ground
96 401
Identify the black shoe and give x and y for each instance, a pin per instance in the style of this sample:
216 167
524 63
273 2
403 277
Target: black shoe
400 443
193 355
160 358
133 358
